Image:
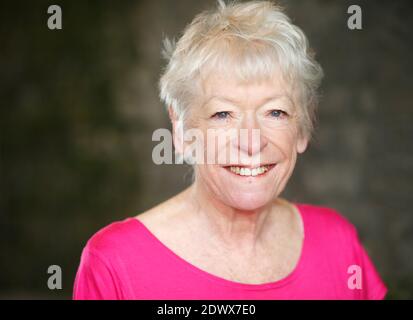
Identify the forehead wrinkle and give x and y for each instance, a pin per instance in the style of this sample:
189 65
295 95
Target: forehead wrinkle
210 80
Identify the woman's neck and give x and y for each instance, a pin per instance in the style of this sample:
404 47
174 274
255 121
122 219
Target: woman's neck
231 227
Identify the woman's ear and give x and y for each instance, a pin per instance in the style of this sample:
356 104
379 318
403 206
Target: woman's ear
177 131
171 113
302 143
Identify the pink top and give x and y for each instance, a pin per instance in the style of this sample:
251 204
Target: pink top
126 261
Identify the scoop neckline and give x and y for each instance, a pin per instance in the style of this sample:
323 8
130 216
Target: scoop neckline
230 283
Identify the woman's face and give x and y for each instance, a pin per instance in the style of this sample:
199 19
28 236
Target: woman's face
257 123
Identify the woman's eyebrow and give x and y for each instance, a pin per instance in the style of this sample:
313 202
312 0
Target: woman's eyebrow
232 101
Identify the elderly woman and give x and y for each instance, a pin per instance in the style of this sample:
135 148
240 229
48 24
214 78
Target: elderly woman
242 67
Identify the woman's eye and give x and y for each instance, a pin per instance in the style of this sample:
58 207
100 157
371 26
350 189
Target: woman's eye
221 115
277 113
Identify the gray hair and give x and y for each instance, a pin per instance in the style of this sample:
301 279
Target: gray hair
251 40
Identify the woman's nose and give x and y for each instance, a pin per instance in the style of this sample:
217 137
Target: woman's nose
251 140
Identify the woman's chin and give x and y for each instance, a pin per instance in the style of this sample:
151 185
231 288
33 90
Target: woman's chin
247 201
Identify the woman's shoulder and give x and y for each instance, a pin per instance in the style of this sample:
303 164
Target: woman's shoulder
115 236
121 235
326 220
327 230
334 242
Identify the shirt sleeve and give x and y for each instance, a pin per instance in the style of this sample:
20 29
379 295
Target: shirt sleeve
94 279
373 287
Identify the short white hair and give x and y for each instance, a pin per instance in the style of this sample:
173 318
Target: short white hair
250 40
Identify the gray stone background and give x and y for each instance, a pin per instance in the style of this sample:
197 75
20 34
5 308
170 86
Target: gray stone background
79 106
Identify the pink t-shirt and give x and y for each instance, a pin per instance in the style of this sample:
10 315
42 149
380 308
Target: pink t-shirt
125 260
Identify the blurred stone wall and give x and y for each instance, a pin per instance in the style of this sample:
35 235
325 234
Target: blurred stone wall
79 107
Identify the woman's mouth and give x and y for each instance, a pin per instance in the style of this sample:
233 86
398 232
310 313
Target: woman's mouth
250 172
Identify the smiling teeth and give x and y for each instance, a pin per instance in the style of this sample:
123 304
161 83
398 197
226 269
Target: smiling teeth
249 172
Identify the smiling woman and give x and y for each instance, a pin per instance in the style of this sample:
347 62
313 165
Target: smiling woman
243 68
